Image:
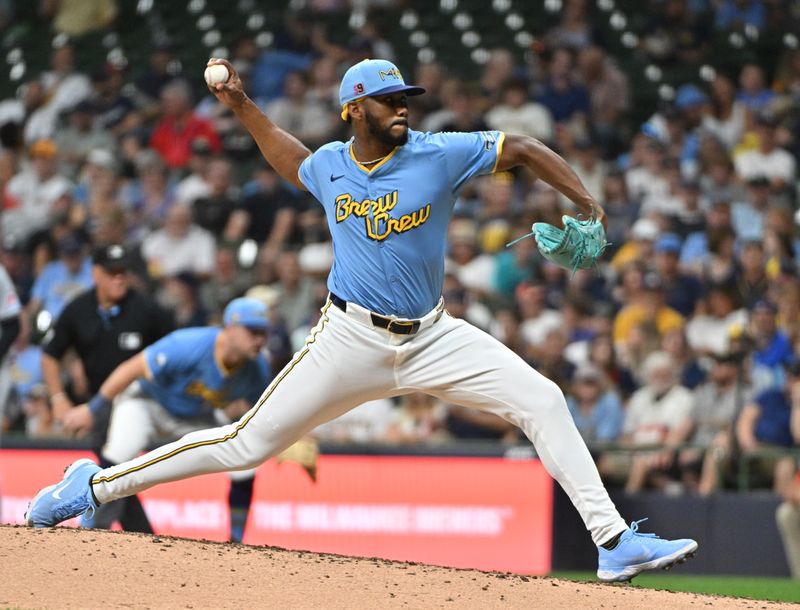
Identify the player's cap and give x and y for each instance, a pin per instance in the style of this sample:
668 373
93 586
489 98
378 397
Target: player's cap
669 242
372 77
588 371
689 96
69 245
43 149
248 312
644 229
764 305
111 257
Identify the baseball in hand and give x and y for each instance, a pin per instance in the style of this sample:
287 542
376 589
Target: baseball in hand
216 74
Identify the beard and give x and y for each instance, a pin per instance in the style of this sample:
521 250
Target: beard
384 134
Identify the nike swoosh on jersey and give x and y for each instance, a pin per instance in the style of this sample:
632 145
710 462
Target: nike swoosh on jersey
335 178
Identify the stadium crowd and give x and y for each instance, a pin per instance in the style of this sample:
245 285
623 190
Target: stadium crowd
683 342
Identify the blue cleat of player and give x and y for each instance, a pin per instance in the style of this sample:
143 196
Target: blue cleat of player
637 552
64 500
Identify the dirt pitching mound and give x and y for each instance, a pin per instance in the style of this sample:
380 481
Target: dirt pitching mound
66 568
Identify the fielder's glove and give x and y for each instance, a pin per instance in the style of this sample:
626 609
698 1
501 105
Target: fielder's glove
577 246
304 452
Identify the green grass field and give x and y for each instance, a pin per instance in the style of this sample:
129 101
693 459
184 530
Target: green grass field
773 589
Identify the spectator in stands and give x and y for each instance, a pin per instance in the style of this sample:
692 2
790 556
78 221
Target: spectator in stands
562 94
63 85
646 311
228 282
574 30
269 211
639 248
161 70
645 177
621 211
769 159
752 282
709 427
213 212
179 246
675 35
117 110
708 254
302 115
418 419
682 291
749 214
595 407
179 295
688 368
16 262
463 112
179 126
753 91
195 184
609 94
151 195
472 268
497 71
61 280
727 117
709 332
30 196
515 265
79 138
737 15
771 348
517 114
654 416
764 432
295 292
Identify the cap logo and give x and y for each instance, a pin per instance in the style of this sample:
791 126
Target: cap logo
394 73
358 88
115 251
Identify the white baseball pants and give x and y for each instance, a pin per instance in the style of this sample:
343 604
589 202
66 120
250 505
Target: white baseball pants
347 361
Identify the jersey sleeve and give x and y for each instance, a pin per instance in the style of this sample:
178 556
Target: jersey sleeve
307 175
471 154
9 302
169 357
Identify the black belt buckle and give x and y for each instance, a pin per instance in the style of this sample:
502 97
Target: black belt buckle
397 327
403 327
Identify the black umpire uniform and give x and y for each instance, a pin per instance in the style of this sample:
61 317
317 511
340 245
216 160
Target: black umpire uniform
103 338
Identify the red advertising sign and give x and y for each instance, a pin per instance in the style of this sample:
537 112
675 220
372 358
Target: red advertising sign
486 513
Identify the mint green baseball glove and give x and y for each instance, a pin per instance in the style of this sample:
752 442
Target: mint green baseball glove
577 246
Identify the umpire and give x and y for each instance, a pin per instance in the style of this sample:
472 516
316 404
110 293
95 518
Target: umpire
105 326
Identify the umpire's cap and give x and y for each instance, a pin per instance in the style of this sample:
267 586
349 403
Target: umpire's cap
372 77
112 257
246 311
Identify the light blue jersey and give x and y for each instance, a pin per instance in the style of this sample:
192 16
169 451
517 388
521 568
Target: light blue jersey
188 380
56 286
394 217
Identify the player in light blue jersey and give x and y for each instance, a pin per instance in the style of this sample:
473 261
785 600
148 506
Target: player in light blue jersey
190 379
388 194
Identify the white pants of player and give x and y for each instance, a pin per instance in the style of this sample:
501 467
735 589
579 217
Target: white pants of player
346 361
138 421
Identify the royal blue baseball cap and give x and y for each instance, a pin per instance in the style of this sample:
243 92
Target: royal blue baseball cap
248 312
372 77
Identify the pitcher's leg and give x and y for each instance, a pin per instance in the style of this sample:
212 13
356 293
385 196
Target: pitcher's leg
322 381
473 369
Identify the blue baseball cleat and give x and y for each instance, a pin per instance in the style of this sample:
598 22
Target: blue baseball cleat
64 500
637 552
